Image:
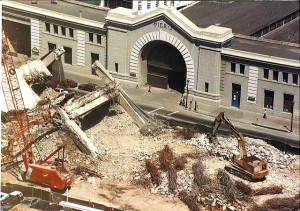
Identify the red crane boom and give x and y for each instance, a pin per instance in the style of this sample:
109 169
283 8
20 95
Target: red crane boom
53 174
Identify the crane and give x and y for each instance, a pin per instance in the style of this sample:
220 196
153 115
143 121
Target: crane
55 175
249 167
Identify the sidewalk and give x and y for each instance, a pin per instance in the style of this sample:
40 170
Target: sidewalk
166 103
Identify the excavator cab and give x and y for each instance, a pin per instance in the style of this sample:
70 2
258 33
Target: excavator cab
248 167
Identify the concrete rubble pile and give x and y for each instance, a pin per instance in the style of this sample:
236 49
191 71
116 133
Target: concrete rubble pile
73 109
226 145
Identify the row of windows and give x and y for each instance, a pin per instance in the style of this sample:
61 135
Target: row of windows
118 3
285 76
288 101
63 31
97 40
242 68
156 4
68 54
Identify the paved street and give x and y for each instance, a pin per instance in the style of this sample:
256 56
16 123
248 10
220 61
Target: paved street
166 103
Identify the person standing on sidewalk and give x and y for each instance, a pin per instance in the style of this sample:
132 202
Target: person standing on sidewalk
181 100
196 106
149 90
191 104
265 114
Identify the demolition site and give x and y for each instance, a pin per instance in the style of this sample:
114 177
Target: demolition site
94 142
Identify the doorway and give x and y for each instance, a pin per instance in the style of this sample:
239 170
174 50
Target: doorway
236 95
165 66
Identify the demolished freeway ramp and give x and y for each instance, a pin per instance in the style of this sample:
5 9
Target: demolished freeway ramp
139 116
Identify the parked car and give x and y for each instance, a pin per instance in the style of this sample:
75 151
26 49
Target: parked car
6 207
88 87
67 83
40 205
11 199
4 198
71 83
28 201
15 197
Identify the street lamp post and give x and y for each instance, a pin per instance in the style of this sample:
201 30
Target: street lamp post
292 118
187 93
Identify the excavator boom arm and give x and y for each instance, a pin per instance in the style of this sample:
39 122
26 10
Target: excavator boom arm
241 140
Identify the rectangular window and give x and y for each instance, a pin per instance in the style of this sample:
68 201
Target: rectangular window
91 37
288 103
99 39
233 67
285 77
68 55
269 99
148 4
47 27
94 57
275 75
116 67
51 46
206 87
165 2
157 3
295 79
266 73
63 31
172 3
242 69
139 5
55 29
71 32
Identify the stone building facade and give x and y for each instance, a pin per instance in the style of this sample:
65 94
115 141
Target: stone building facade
216 67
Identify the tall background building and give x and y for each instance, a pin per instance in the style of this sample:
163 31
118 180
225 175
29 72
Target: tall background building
142 5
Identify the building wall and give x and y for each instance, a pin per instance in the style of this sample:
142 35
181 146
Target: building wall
81 52
124 41
117 44
279 87
208 72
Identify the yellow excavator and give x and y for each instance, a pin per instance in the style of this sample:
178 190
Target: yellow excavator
248 167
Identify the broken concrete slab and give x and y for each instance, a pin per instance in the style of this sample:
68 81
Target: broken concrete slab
139 116
84 142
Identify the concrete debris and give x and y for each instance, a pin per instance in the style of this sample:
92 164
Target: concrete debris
91 101
223 149
86 145
139 116
53 56
31 99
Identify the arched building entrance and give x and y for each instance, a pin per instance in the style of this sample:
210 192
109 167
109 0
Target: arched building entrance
163 66
161 55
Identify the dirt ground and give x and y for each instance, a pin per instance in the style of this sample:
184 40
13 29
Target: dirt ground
123 151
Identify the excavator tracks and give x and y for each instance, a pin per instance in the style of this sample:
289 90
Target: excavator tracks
235 170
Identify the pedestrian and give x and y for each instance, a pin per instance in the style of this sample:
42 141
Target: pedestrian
265 114
137 86
181 100
196 106
149 90
191 104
